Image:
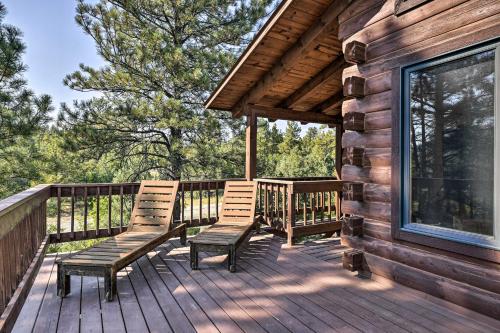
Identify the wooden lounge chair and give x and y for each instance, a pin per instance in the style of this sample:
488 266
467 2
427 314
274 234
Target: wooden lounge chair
237 218
150 225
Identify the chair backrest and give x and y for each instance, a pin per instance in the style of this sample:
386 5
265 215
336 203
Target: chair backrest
238 204
154 205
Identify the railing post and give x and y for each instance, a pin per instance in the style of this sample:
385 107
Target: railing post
290 215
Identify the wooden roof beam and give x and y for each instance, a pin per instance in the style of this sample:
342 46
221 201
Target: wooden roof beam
332 103
335 67
288 114
288 60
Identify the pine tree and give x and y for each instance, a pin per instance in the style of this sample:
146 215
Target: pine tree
22 113
163 58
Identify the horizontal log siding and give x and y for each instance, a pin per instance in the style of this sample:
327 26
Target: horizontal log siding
392 41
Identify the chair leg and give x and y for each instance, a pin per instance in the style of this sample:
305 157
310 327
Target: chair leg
109 286
232 259
183 236
194 256
113 283
257 227
229 254
63 282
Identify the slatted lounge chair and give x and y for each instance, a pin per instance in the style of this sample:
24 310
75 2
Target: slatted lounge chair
150 225
237 218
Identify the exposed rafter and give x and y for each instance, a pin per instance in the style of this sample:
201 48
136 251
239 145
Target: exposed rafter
283 6
332 103
288 60
288 114
316 82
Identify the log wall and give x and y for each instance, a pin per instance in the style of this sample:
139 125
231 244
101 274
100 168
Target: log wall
390 42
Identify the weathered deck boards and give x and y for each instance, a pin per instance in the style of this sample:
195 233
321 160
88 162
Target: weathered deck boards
277 289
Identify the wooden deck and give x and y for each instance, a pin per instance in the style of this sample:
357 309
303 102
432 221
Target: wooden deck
276 289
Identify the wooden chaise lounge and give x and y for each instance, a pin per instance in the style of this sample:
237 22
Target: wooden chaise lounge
237 218
150 225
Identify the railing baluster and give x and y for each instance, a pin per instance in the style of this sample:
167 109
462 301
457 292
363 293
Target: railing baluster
182 203
85 210
290 217
208 189
266 203
277 203
273 203
72 225
58 213
192 205
329 206
98 196
121 208
304 207
201 203
337 205
297 205
322 205
217 200
313 207
109 208
284 205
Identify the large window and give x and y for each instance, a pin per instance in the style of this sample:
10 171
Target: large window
451 141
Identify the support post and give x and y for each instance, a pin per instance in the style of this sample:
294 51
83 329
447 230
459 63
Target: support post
251 147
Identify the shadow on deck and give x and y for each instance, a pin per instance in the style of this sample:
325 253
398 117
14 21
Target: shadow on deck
276 289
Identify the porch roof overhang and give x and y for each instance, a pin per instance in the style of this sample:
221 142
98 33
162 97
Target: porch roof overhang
292 69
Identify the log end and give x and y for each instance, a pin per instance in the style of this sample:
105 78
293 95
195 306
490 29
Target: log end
354 87
355 52
352 226
352 260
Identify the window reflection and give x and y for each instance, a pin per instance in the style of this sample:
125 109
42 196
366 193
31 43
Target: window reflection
452 144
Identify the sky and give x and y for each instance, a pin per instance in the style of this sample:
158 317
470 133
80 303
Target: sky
55 46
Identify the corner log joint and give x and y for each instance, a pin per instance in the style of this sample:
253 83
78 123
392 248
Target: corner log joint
354 121
354 87
352 260
352 226
355 52
353 191
353 156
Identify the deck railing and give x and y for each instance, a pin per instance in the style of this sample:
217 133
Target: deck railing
23 241
46 214
300 207
86 211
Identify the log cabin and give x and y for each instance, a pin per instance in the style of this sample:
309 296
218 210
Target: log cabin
412 88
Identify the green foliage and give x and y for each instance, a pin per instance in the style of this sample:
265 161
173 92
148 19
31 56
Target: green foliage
310 155
22 114
163 58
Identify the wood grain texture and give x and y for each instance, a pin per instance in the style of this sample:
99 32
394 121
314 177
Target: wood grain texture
277 289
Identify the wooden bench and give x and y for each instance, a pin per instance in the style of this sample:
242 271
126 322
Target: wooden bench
237 218
150 225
